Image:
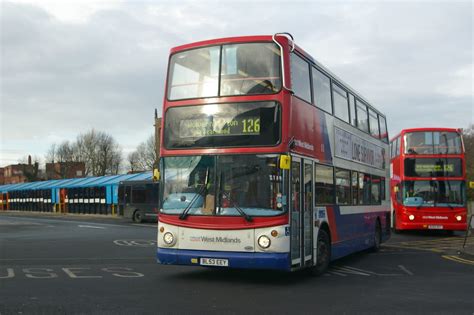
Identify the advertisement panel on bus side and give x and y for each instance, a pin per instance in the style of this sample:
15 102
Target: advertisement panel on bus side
350 147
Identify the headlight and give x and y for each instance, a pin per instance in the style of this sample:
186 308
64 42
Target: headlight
168 238
264 242
411 217
458 217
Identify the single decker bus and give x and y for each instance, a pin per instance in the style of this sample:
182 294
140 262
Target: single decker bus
428 180
268 160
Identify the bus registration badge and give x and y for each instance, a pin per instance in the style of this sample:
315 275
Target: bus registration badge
214 262
435 227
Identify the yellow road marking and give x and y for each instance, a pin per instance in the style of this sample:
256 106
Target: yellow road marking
413 247
459 259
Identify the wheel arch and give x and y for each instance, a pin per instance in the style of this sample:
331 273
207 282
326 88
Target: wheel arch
325 226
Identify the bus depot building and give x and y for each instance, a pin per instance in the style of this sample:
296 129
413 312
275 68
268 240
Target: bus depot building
89 195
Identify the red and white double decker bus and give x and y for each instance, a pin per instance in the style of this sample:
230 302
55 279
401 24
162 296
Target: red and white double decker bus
428 180
268 160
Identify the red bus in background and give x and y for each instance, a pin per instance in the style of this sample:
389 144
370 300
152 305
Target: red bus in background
428 180
268 160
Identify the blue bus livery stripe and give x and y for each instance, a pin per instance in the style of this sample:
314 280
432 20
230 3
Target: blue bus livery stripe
354 230
275 261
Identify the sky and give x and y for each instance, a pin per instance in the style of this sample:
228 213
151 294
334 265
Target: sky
69 66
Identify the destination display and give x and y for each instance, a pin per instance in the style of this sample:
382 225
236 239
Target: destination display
351 147
433 167
219 126
223 125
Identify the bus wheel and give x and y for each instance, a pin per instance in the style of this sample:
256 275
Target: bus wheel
323 252
377 237
137 216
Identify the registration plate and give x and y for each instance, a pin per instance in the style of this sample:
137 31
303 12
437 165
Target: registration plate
214 262
435 227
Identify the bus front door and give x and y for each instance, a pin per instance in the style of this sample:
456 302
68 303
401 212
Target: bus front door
301 185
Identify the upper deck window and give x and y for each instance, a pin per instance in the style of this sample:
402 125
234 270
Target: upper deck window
322 90
429 142
362 116
251 68
374 124
341 108
194 73
383 129
300 78
352 110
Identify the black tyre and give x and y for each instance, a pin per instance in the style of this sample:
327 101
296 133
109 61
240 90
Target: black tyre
377 237
137 216
323 252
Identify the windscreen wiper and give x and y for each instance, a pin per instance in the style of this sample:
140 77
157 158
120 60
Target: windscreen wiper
185 212
242 212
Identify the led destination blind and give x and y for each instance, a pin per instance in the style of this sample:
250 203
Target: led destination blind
426 168
429 167
223 125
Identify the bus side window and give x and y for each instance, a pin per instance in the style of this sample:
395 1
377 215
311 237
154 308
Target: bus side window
375 190
355 188
300 80
128 194
138 194
364 189
324 184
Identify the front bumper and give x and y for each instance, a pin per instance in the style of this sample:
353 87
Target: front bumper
462 226
270 261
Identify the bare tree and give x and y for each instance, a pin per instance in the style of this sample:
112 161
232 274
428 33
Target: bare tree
132 159
63 154
100 152
144 157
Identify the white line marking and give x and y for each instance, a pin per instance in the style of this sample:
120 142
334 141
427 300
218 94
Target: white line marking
76 258
373 273
91 226
405 269
145 225
351 271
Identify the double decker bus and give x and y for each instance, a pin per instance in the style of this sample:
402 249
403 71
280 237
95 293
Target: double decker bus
428 180
268 160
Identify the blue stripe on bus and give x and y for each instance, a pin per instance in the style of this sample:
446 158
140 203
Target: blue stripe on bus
355 232
275 261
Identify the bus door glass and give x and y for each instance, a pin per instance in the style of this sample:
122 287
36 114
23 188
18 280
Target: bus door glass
307 208
295 213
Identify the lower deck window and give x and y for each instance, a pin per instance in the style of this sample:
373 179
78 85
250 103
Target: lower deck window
343 186
324 184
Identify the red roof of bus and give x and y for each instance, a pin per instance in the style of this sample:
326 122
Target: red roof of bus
210 42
